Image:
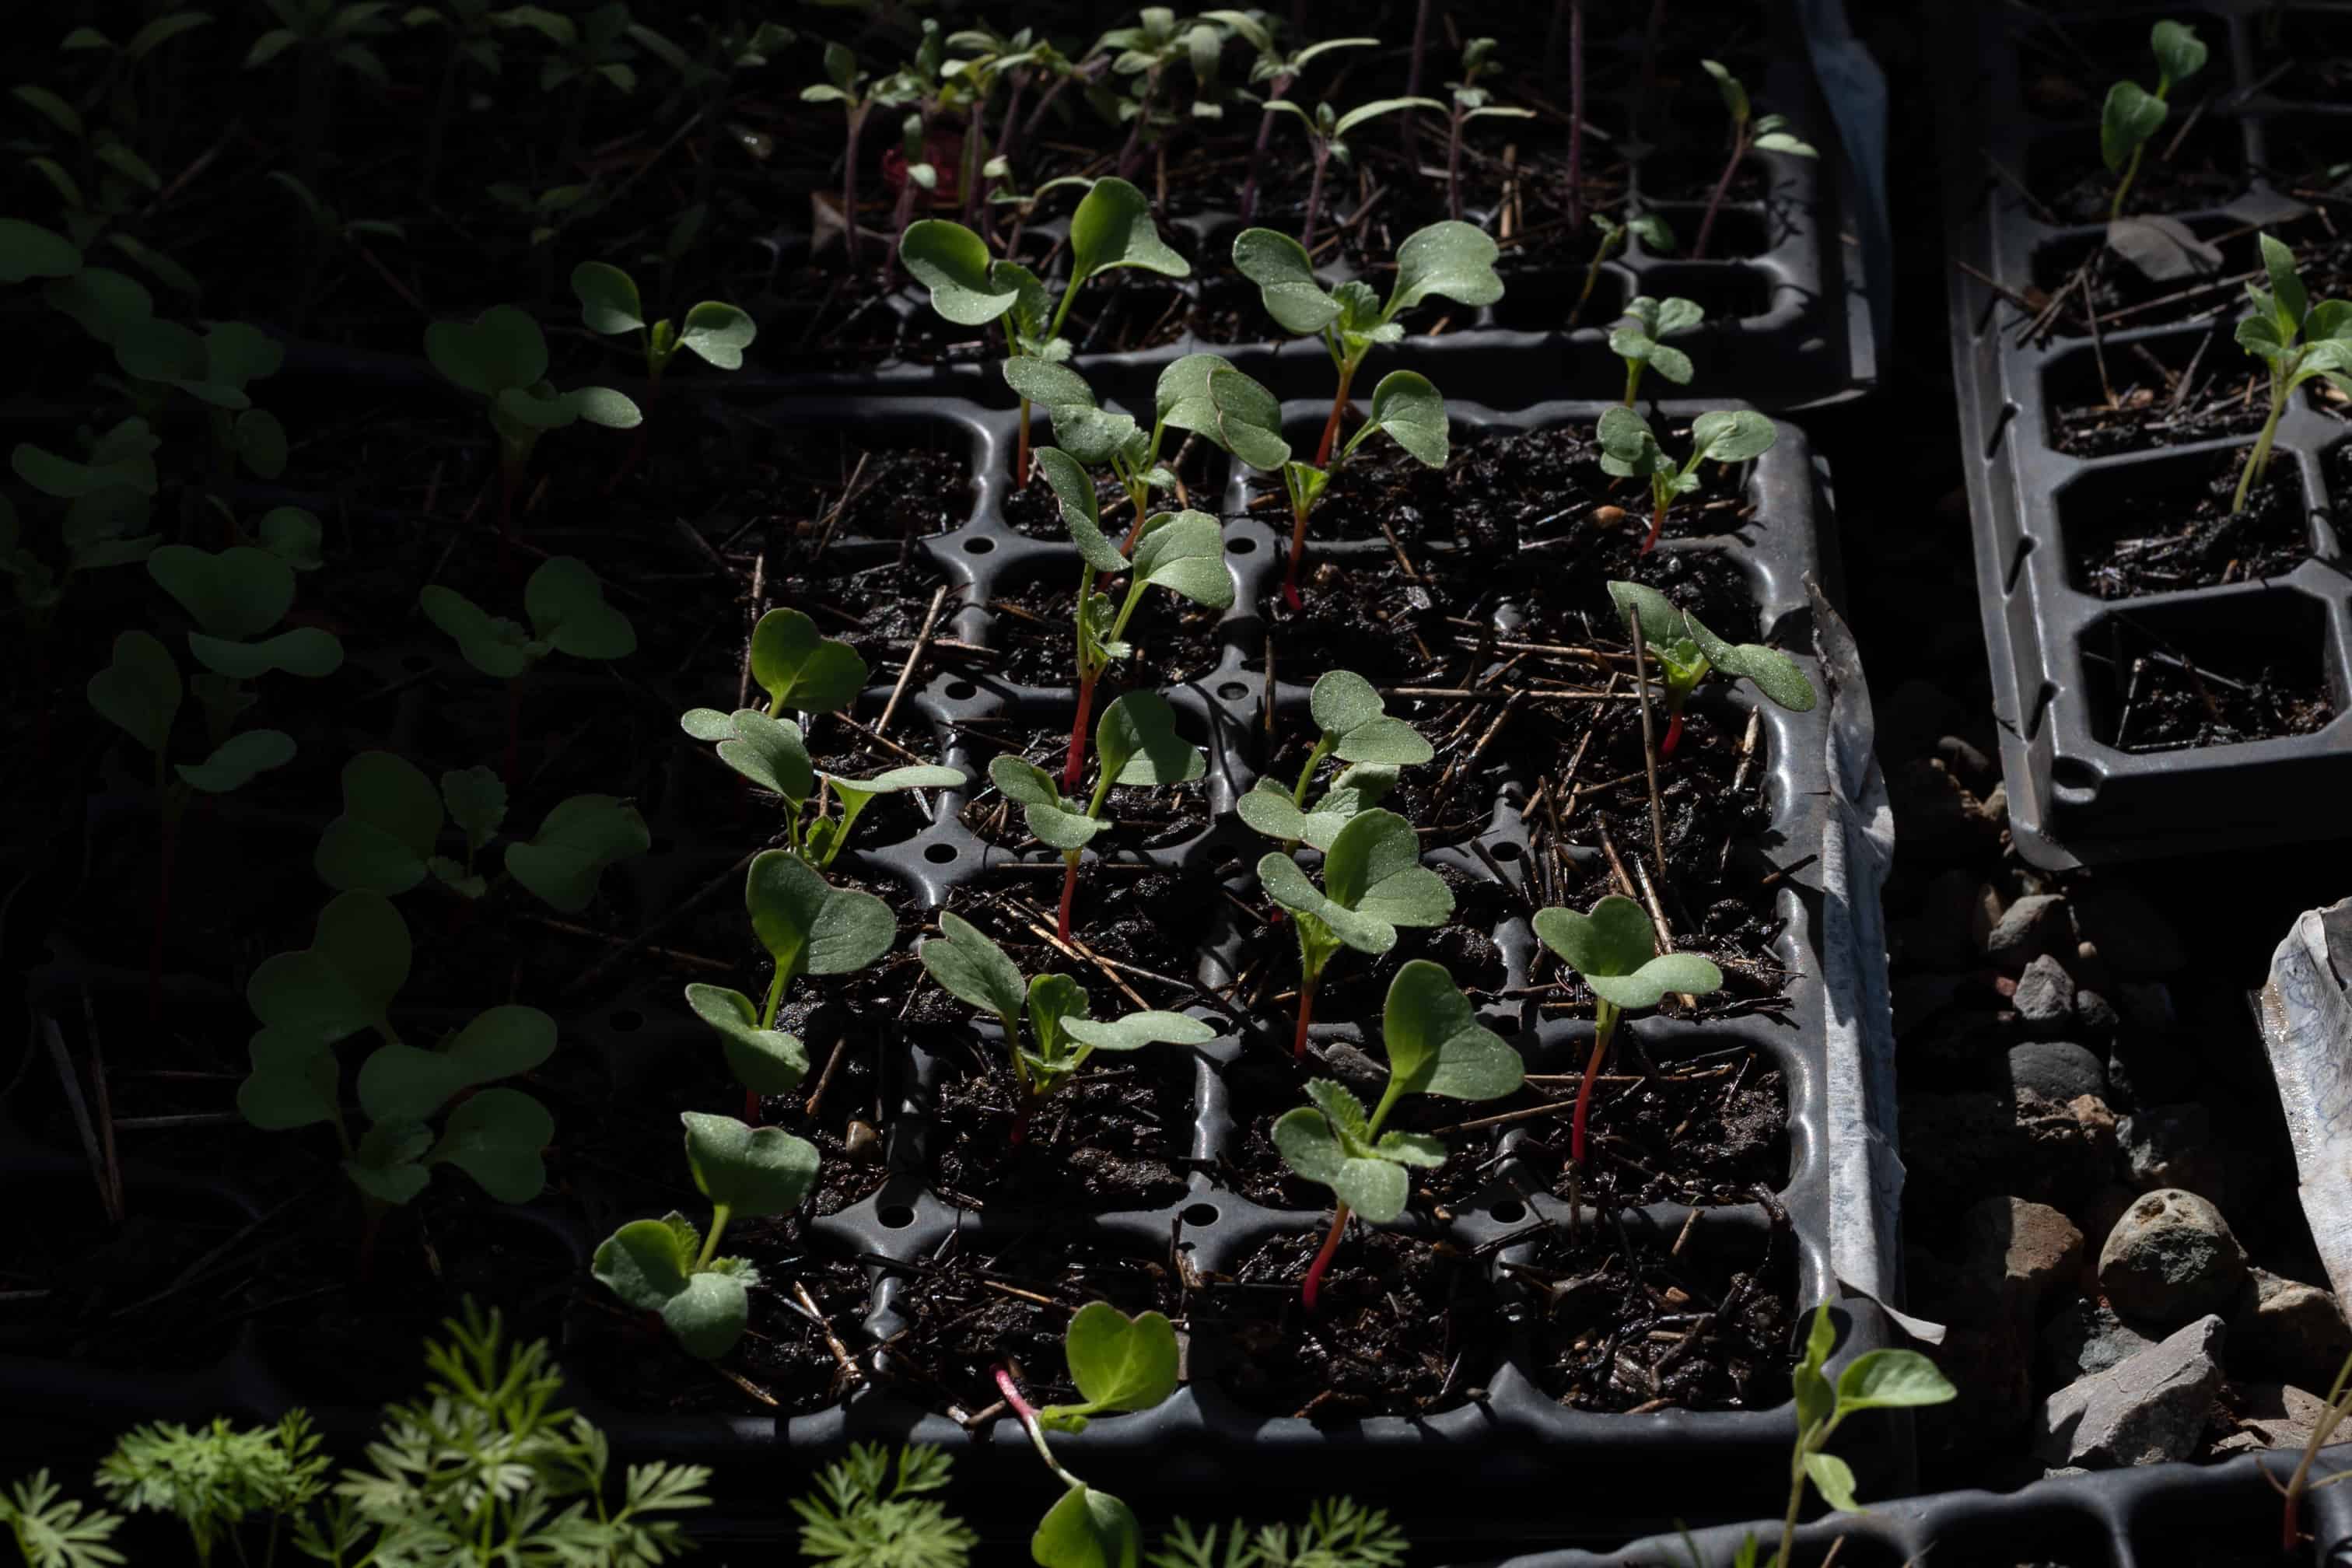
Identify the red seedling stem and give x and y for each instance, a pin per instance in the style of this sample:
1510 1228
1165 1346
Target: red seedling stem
1315 1270
1584 1098
1021 1118
1331 425
1674 733
1074 767
1576 117
1722 188
1021 455
1657 524
1306 1013
1297 549
751 1107
1069 890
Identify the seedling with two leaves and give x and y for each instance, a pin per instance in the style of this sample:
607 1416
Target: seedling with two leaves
1657 236
1449 260
1119 1366
564 600
1373 882
1277 70
1352 724
501 357
1640 338
108 509
388 839
2132 115
1749 133
1136 745
1614 951
712 331
668 1268
1434 1044
1062 1036
844 84
1687 653
2298 339
1111 229
1327 139
345 982
1630 450
1470 103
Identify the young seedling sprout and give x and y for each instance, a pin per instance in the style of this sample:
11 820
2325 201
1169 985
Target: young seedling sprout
565 602
1687 653
715 331
1629 450
1062 1036
1470 103
1136 744
1112 229
1352 724
1454 260
1373 882
1434 1044
2298 339
2132 115
1120 1364
1655 234
809 927
1182 552
668 1267
1768 133
841 85
1640 339
1614 951
1278 71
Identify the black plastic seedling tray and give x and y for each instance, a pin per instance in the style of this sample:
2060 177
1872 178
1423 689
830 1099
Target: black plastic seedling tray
2063 656
1505 1448
1788 319
2156 1515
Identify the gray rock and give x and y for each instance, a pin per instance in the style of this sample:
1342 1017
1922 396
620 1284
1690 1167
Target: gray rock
2171 1257
2087 1337
2058 1069
2095 1015
2134 938
2276 1415
2021 1249
1959 1146
1968 764
2046 997
2034 925
2173 1146
2143 1411
2291 1330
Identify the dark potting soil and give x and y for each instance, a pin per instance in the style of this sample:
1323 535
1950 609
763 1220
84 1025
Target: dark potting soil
2314 48
1354 986
2151 409
1615 1316
1031 509
1266 1081
1145 818
2160 687
1449 799
2172 532
1175 640
2205 169
82 1290
1118 1136
782 1366
1699 1133
1402 1327
974 1307
1145 918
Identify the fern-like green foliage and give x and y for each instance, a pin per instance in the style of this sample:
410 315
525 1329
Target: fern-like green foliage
861 1516
1339 1533
486 1470
213 1478
51 1533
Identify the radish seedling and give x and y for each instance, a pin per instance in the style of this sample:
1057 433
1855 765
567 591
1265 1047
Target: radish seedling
2132 115
345 982
715 331
1278 71
565 601
1470 103
1144 53
1640 339
973 969
668 1267
500 356
1614 951
1653 232
1629 450
1136 744
1353 725
1112 229
107 510
844 84
1182 552
1373 882
1120 1364
1434 1044
809 928
2298 339
1687 653
1768 133
1327 131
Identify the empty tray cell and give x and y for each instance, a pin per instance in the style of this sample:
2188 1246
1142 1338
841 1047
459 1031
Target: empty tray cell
2125 296
1230 310
1113 316
876 479
2041 1537
2164 391
1740 229
1728 291
2214 1527
2304 52
2162 524
2066 63
2248 667
1556 301
2184 170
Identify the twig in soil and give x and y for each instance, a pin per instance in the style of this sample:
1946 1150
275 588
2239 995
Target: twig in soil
106 1123
1074 948
832 1065
732 875
702 546
1494 868
1609 847
1649 746
108 1195
1747 748
1789 870
1404 563
851 1376
1998 287
759 598
880 740
833 519
914 656
2041 209
745 1384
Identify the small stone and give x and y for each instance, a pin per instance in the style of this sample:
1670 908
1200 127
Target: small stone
2277 1416
2148 1409
2089 969
2059 1069
2094 1014
1985 910
1941 820
2087 1337
2293 1329
2171 1257
2046 997
2022 1246
2134 938
2173 1146
1968 765
2034 925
